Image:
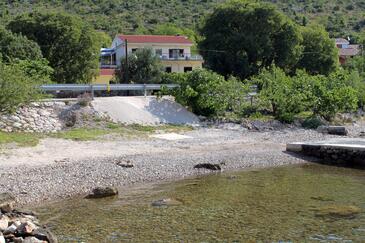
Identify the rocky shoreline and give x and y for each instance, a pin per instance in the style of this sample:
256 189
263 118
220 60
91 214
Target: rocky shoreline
21 226
139 161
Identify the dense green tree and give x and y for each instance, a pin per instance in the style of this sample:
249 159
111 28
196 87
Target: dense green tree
143 67
17 47
208 93
320 54
242 37
70 45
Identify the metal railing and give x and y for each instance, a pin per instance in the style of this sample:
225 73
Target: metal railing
104 87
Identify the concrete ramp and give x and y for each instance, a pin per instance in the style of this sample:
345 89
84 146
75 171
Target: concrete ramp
144 110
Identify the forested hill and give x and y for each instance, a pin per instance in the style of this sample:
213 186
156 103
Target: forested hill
341 17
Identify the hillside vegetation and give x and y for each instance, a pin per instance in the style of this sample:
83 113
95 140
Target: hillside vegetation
340 17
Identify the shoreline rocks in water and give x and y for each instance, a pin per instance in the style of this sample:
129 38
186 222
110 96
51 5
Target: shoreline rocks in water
17 226
101 192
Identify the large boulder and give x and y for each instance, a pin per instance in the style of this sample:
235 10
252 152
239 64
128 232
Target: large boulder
101 192
208 166
333 130
7 202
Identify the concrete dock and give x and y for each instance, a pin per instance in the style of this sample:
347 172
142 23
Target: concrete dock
335 151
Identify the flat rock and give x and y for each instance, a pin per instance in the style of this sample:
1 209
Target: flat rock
208 166
33 240
7 202
2 239
101 192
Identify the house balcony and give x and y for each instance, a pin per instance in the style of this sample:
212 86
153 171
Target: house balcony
181 58
107 66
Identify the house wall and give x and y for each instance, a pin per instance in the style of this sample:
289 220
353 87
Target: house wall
164 47
102 79
178 66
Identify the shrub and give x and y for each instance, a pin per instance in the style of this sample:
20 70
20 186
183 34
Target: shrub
281 94
334 94
84 100
324 96
208 93
16 87
312 123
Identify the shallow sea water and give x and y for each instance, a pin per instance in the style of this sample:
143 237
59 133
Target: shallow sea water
302 203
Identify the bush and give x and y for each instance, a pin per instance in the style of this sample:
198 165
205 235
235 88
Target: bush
16 87
281 94
84 100
312 123
208 93
334 94
324 96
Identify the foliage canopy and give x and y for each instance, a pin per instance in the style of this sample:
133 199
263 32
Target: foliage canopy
70 46
241 38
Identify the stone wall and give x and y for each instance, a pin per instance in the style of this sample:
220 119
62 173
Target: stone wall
335 155
37 117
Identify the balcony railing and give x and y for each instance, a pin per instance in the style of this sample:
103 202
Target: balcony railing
111 66
182 58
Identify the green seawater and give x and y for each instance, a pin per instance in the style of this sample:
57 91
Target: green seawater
304 203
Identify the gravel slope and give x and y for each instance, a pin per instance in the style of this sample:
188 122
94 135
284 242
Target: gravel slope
153 159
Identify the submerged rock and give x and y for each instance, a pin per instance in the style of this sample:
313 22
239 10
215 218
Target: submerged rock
166 202
208 166
101 192
338 211
45 235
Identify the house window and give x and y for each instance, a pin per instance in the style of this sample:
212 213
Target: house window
168 69
134 50
188 69
176 53
158 52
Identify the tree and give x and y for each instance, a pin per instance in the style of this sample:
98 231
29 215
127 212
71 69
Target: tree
241 38
17 47
143 67
70 46
320 54
16 87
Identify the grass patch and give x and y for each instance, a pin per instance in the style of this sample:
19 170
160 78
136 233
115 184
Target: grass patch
81 134
87 134
21 139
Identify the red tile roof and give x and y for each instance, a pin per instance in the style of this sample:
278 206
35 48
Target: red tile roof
174 39
105 71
